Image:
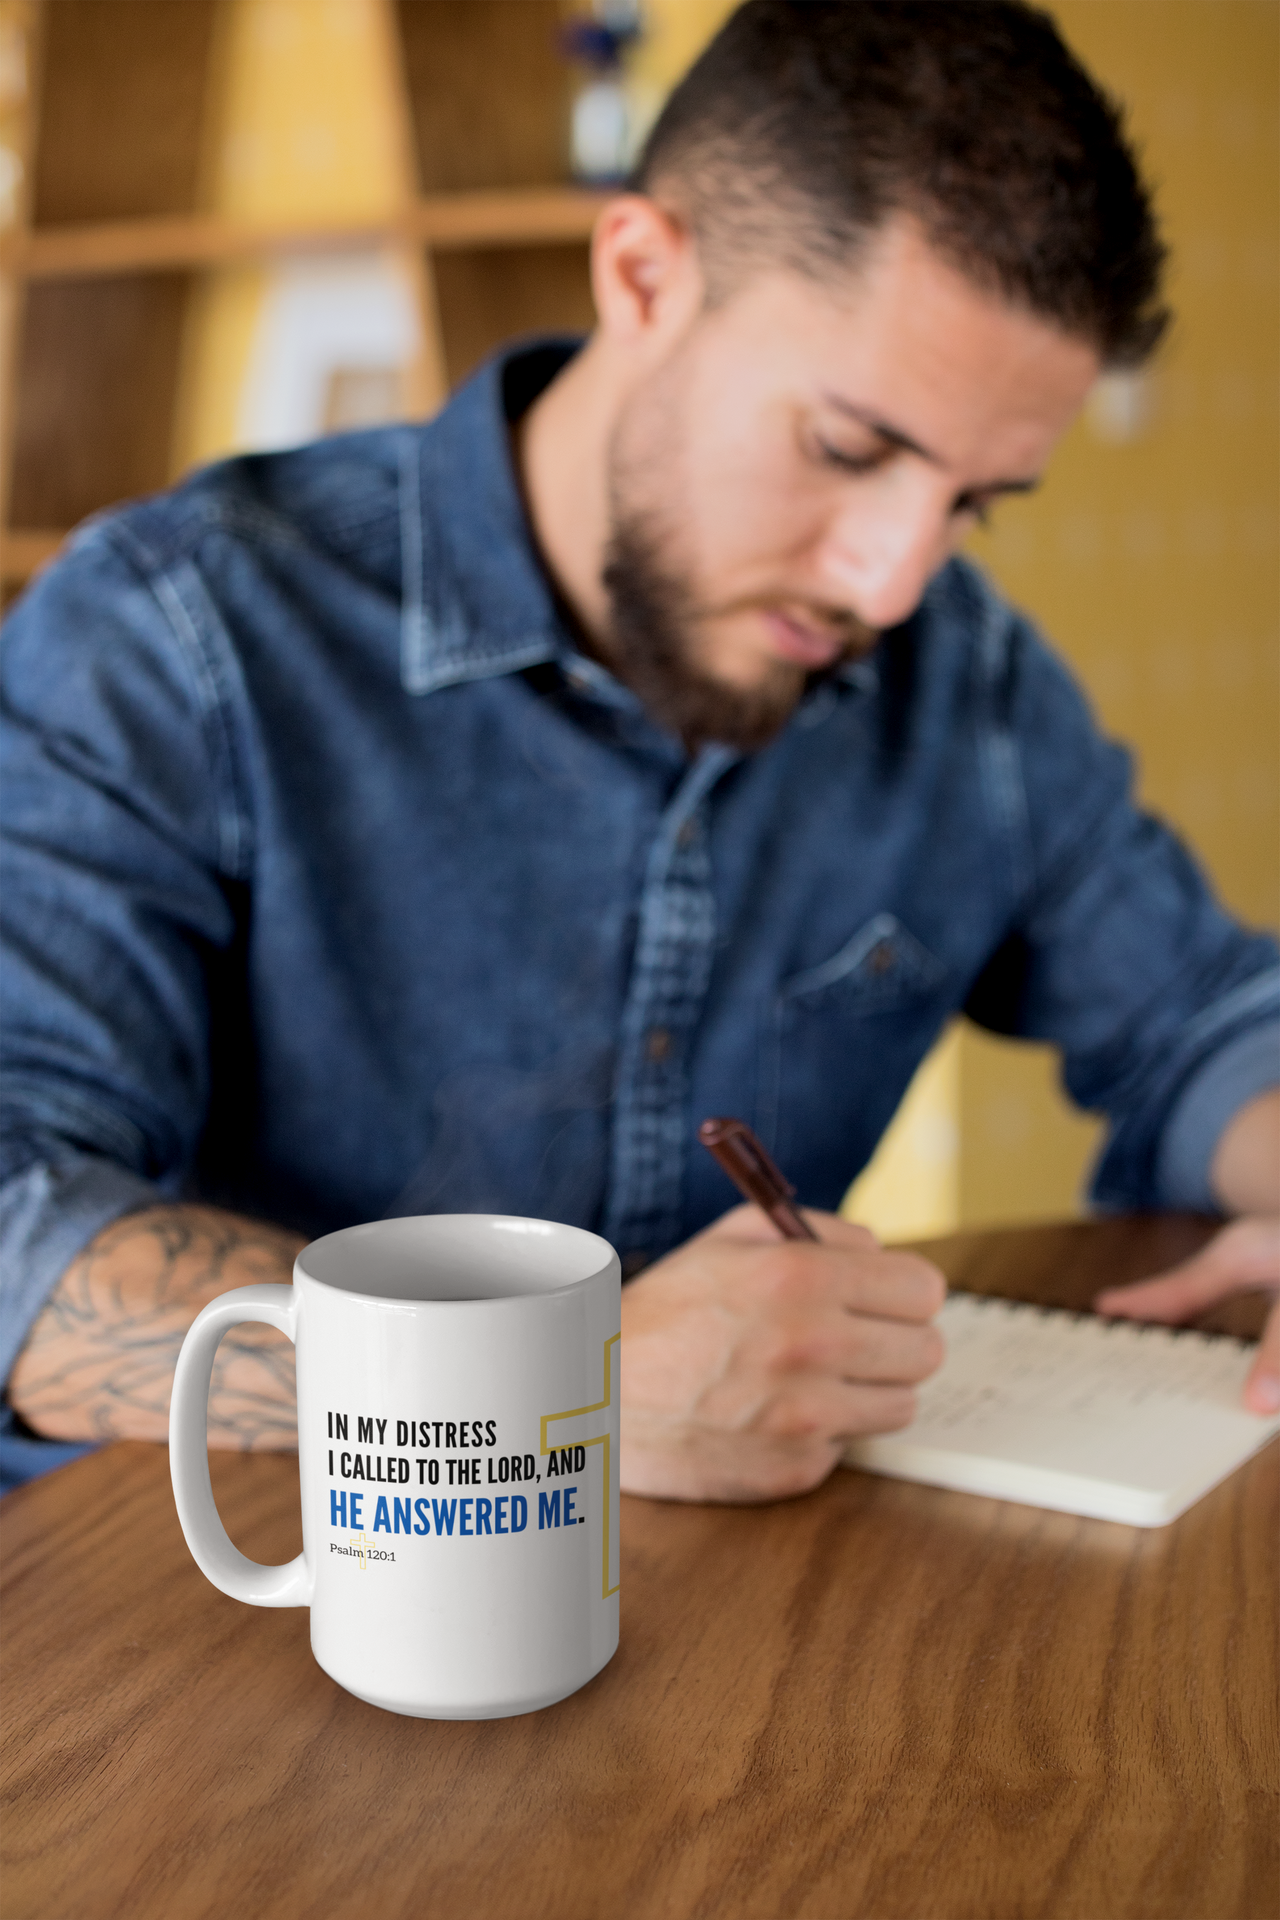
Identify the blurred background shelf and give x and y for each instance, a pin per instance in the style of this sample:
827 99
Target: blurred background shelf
496 217
127 205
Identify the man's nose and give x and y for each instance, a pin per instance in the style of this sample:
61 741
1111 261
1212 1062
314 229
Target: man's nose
877 557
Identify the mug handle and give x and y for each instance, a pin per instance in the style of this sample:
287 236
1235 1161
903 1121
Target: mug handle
221 1562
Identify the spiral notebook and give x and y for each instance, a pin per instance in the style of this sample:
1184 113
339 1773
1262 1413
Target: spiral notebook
1110 1418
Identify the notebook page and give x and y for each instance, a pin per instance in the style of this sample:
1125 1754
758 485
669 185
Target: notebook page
1111 1418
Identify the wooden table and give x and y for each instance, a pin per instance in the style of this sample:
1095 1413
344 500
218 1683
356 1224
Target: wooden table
880 1700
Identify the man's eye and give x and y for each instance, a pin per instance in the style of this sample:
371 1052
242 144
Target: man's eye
977 509
849 462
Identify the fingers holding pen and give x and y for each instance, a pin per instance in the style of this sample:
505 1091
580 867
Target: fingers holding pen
844 1348
751 1355
819 1410
860 1277
750 1224
845 1315
896 1286
900 1285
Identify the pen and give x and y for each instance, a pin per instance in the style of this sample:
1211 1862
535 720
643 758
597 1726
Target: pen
754 1174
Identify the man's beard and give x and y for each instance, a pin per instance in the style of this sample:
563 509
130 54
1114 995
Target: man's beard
653 622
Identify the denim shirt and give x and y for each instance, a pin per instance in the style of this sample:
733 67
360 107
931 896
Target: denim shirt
338 884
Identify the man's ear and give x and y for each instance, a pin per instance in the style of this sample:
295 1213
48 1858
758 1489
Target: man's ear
644 272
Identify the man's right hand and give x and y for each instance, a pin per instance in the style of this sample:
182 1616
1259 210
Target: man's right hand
748 1361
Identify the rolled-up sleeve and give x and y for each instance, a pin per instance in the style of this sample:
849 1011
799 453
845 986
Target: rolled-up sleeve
48 1215
1228 1078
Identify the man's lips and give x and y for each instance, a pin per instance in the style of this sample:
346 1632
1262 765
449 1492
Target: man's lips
810 647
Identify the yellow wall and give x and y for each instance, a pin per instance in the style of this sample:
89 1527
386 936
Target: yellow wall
300 128
1151 563
1154 564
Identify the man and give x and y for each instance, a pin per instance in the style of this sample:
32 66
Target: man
448 818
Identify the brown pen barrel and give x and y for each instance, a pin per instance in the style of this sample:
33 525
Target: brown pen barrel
753 1172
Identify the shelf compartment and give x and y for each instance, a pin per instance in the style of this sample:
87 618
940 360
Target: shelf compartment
121 115
492 295
96 380
489 92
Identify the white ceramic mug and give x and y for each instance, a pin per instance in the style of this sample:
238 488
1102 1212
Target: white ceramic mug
458 1388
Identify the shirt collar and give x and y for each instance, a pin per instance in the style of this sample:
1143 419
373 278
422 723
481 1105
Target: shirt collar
476 601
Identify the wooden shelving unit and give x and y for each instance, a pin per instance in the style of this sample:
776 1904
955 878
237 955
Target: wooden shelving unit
515 217
100 263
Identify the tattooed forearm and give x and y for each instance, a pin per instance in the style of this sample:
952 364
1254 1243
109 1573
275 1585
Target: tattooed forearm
99 1361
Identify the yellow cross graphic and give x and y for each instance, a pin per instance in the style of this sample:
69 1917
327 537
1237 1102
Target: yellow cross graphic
608 1439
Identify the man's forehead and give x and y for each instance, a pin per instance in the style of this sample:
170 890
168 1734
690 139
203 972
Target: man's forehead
907 316
898 275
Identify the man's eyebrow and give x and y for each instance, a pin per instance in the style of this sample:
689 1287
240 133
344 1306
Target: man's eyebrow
883 428
895 437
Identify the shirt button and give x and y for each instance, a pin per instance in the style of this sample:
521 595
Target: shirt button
880 959
657 1044
687 834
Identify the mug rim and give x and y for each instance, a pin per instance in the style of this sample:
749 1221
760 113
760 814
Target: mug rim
515 1221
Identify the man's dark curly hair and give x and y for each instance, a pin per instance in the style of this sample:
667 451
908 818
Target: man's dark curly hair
807 124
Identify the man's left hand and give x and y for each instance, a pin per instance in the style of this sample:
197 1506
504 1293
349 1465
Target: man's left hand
1243 1258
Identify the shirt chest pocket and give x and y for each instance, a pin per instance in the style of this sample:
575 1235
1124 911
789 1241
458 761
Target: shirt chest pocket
841 1041
881 966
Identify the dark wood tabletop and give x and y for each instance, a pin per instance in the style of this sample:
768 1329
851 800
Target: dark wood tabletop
877 1702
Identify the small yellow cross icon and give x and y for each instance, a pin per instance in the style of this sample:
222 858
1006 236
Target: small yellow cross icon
605 1436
